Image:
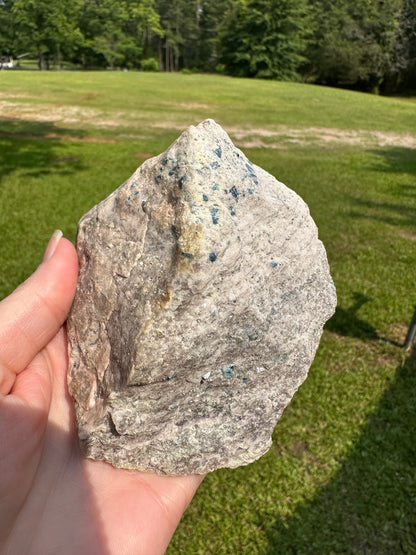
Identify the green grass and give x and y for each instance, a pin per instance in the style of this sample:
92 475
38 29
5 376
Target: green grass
340 477
145 98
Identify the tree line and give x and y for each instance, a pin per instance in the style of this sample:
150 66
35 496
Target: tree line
366 44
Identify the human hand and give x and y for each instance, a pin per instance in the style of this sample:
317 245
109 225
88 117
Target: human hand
52 500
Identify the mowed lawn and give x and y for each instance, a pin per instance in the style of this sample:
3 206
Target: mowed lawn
341 475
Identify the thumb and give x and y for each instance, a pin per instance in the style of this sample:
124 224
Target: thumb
34 312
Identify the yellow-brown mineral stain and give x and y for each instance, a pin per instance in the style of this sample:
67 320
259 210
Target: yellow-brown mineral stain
189 240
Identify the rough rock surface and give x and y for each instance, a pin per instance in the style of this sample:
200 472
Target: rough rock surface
202 293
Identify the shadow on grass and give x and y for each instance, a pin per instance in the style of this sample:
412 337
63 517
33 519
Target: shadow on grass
392 213
32 148
396 159
369 506
345 322
399 160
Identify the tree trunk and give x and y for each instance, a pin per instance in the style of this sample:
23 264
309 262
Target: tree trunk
58 57
160 54
167 57
43 62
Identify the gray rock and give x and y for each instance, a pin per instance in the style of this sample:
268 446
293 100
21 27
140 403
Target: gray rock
202 293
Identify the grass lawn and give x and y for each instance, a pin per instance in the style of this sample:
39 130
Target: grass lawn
341 475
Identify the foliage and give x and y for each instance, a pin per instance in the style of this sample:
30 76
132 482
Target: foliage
211 17
177 23
150 64
117 30
264 38
353 43
405 48
180 23
7 27
50 28
340 476
367 44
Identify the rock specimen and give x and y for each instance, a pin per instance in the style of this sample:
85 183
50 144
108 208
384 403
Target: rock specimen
202 293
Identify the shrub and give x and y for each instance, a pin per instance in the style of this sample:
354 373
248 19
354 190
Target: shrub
150 64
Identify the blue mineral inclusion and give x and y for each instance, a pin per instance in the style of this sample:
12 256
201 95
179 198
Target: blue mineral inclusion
218 152
250 170
234 192
212 257
205 198
252 174
227 371
182 180
214 215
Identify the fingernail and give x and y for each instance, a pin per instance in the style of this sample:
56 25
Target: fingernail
53 243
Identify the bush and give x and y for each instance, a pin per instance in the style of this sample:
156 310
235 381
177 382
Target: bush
150 64
188 70
220 68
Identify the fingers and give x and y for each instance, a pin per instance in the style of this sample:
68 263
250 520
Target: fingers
34 312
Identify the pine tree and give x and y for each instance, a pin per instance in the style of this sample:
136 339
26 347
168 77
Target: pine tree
211 16
264 38
178 46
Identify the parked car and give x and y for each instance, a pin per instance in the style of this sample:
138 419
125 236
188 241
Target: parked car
6 62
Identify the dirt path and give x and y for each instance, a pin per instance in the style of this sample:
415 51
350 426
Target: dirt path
280 136
283 135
